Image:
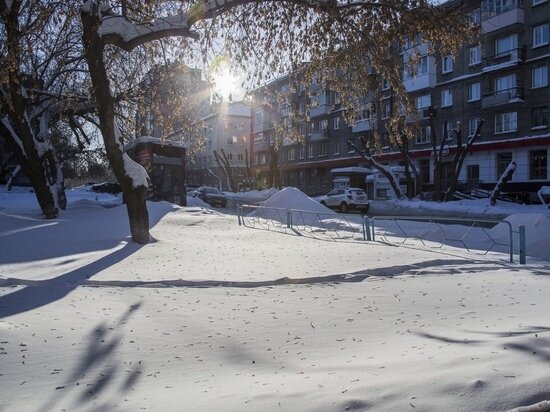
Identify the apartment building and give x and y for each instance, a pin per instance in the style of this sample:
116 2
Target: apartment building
502 78
227 131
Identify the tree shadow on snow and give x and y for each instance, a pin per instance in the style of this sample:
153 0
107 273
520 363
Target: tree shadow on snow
97 372
26 239
36 294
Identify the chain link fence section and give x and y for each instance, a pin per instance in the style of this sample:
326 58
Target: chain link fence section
318 225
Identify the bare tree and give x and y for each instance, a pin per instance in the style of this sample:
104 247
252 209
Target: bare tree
40 85
223 164
459 156
340 41
373 164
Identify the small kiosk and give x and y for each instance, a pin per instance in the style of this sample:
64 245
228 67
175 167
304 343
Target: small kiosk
164 161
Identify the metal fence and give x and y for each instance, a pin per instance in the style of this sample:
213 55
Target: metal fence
475 235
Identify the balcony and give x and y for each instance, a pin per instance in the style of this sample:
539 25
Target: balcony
363 125
506 58
318 135
262 126
510 13
513 95
320 110
423 81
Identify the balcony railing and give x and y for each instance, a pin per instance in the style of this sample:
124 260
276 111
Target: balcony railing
320 110
318 135
491 8
422 81
500 97
363 125
508 56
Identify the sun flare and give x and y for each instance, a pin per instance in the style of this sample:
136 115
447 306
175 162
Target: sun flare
225 83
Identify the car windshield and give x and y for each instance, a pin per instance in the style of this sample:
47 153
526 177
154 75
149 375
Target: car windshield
212 190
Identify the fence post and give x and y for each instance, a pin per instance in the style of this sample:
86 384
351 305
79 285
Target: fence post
511 243
239 214
522 250
289 219
366 228
372 228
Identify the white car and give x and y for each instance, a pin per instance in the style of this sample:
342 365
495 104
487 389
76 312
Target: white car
346 200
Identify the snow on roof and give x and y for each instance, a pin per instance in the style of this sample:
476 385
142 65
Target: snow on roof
152 140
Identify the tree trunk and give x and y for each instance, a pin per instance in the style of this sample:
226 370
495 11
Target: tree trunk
43 172
33 149
385 172
134 191
138 214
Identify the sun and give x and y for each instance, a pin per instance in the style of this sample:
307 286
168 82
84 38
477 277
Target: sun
225 83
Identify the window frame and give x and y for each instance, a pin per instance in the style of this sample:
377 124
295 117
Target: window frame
513 123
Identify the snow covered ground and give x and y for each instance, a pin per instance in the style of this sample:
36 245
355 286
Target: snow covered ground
217 316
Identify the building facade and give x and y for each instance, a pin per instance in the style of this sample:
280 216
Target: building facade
227 133
502 77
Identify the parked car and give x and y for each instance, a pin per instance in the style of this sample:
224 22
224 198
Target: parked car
346 200
211 195
106 187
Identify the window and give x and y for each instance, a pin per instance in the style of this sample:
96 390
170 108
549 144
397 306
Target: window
540 35
419 69
336 123
385 84
446 98
301 152
386 113
229 156
323 149
539 77
259 117
424 135
536 2
472 172
474 92
474 16
494 7
506 122
539 117
258 138
323 124
310 151
336 148
292 153
473 122
256 158
263 158
505 45
538 165
505 84
475 55
503 160
446 130
232 140
423 102
447 64
240 156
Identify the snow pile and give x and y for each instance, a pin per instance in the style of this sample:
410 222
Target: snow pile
267 193
537 233
293 198
305 210
197 202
